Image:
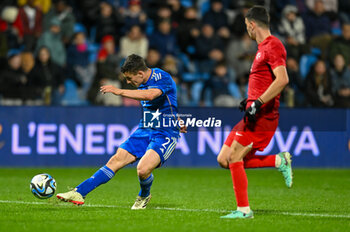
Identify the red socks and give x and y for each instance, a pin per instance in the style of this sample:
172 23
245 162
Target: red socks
239 177
240 183
259 161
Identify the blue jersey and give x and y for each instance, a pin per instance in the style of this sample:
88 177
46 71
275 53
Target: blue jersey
160 113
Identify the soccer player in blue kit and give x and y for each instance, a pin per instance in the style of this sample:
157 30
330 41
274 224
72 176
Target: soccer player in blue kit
151 145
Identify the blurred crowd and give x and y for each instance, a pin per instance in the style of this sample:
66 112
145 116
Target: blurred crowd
59 52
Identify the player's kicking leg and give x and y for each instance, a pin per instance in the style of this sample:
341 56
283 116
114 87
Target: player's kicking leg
102 176
147 164
232 157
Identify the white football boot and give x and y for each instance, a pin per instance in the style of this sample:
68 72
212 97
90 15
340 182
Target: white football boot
141 202
71 196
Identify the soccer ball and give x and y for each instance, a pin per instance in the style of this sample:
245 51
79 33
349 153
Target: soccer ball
43 186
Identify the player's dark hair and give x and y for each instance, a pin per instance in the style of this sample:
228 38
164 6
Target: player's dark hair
133 64
259 15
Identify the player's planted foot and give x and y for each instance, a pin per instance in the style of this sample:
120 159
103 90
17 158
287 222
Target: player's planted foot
71 196
286 168
239 214
141 202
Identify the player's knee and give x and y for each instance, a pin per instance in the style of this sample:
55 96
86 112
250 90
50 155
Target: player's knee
222 161
143 172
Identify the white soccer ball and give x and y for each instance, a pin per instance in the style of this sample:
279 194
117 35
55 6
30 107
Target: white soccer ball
43 186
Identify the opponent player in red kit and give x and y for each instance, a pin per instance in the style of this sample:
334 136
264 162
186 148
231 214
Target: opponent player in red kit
268 77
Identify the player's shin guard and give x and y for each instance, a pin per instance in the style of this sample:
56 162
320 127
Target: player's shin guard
146 186
259 161
240 183
102 176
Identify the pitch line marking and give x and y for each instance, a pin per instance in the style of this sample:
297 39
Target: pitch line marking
177 209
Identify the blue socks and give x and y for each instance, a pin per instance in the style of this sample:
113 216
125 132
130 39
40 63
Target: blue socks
146 186
102 176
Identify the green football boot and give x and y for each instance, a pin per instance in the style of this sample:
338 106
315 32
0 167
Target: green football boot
286 168
239 214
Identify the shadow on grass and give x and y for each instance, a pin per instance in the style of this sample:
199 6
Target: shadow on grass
319 212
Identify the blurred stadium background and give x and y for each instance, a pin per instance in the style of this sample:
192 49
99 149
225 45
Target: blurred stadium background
59 52
55 54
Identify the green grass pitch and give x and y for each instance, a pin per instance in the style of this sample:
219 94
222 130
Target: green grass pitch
183 200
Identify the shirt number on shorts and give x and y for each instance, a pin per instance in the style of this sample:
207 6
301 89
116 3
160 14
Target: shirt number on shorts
166 143
170 147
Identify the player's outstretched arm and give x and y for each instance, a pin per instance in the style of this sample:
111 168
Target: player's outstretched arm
277 85
140 95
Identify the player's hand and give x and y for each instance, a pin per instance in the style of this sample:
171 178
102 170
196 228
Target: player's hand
183 128
251 112
110 89
242 105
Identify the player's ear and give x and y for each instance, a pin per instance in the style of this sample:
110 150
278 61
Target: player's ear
252 23
141 73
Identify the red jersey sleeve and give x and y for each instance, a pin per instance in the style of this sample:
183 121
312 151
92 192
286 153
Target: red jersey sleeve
277 55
